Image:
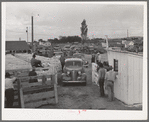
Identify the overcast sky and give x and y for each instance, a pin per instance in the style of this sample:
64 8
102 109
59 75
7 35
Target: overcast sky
52 20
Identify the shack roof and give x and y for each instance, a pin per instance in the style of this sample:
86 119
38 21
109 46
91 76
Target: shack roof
17 45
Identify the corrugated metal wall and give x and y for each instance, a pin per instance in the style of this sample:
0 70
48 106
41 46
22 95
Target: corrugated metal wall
128 85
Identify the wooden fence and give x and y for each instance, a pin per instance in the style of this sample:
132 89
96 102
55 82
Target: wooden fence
33 95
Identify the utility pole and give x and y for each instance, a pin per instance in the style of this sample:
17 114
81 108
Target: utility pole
107 42
127 33
32 34
27 33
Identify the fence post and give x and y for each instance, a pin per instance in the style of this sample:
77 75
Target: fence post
44 79
20 94
55 88
18 83
21 98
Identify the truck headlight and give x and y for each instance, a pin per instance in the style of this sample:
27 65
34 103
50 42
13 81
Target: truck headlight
68 73
79 72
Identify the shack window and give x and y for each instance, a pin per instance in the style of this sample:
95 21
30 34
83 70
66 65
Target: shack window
115 65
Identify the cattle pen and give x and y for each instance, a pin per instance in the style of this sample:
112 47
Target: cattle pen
33 94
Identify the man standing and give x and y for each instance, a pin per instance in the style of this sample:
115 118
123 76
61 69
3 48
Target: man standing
98 58
62 60
35 62
93 58
110 79
9 90
101 78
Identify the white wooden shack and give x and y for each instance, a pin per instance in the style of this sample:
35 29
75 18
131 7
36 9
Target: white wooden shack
128 85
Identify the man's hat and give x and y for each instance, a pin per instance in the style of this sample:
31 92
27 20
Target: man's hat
98 53
34 55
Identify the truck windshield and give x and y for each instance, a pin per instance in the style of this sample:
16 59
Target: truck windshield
73 63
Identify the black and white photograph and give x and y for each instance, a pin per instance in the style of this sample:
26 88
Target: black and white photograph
74 60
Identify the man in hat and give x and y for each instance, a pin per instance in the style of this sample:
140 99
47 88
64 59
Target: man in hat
9 90
98 58
35 62
110 78
93 58
62 60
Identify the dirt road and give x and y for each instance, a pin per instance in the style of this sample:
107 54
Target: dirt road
77 96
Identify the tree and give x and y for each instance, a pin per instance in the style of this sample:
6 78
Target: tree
84 30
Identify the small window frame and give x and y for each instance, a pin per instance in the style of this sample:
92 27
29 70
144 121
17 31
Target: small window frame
115 65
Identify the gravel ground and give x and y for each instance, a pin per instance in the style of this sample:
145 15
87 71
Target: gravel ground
76 96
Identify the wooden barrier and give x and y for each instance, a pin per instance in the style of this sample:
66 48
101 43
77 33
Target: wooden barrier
37 93
32 95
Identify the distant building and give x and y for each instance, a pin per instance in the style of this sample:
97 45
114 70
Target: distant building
17 46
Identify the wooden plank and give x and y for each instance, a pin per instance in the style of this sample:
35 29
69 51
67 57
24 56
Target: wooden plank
55 89
28 98
136 86
125 78
117 85
55 93
122 71
28 85
38 104
130 82
38 89
34 77
28 69
136 80
120 59
18 92
21 98
121 62
19 70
